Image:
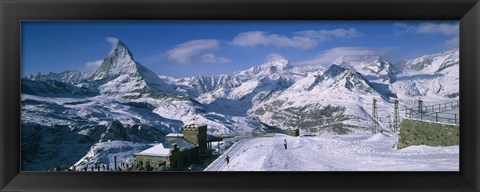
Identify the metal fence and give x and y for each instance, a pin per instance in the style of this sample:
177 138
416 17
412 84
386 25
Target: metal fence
247 135
447 113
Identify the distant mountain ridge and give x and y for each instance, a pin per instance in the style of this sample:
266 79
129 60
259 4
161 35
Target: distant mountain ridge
121 76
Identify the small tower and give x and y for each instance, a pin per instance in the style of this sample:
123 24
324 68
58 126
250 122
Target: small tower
420 106
196 134
396 117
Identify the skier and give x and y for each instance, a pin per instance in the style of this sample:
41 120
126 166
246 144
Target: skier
227 159
285 143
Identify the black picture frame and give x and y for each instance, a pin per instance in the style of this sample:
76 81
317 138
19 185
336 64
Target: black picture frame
14 11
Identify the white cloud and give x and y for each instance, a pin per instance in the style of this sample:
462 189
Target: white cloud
93 64
183 53
330 34
442 28
446 29
452 43
273 57
327 57
112 40
301 40
401 28
255 38
211 58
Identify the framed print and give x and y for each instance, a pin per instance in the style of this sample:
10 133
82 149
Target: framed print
210 95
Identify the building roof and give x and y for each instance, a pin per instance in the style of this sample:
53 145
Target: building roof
157 150
175 135
164 149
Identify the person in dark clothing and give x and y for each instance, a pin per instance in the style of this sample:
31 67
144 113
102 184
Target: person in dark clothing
285 143
227 159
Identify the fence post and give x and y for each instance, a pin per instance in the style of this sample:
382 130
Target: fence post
436 116
455 118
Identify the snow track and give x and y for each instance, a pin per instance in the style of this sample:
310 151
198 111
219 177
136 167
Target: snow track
219 163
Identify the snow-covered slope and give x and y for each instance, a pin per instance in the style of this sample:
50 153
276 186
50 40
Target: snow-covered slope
335 153
372 67
105 153
333 102
433 78
433 63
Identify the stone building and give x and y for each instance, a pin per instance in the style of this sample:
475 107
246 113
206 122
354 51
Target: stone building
177 152
196 135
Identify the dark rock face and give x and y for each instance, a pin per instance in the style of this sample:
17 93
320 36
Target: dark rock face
115 131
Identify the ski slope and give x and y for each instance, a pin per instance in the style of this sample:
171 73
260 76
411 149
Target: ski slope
220 163
335 153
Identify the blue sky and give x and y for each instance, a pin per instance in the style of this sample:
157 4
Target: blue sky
187 48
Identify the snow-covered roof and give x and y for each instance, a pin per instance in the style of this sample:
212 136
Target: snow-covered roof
164 149
157 150
175 135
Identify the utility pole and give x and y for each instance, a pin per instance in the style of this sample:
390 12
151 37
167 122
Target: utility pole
420 106
396 117
375 116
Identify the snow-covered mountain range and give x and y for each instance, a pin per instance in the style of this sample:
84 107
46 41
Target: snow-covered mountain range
65 115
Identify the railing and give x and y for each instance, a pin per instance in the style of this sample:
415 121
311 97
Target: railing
441 113
252 135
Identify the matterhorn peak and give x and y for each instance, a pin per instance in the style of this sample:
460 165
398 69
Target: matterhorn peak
119 71
119 61
121 50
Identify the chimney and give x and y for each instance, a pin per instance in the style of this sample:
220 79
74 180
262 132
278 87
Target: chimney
174 146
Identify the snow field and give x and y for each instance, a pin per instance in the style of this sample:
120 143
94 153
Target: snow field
335 153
